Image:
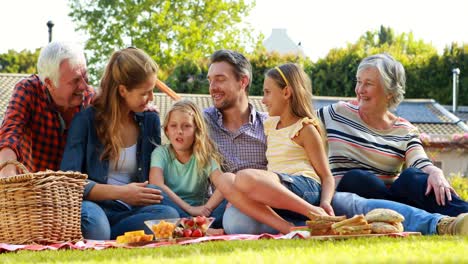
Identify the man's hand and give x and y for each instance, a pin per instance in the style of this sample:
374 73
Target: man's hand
138 194
7 154
8 170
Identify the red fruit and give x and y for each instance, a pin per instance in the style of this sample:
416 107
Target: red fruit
197 233
189 223
187 232
200 220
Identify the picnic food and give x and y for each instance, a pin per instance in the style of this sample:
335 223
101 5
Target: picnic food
134 236
163 229
386 228
356 225
385 221
322 225
177 228
384 215
377 221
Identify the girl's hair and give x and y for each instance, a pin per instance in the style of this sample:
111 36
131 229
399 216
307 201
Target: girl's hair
129 67
203 147
293 75
392 74
52 55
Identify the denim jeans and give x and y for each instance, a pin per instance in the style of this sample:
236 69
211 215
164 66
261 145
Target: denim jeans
108 219
343 203
217 213
409 188
235 222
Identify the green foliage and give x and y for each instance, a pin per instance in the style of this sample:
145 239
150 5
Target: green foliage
189 77
19 62
262 61
170 31
424 249
460 184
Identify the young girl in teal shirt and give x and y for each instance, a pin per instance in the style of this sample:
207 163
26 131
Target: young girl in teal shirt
183 168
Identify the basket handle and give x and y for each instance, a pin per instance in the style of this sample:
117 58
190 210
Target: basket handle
19 166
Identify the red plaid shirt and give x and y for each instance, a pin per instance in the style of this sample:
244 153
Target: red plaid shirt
33 128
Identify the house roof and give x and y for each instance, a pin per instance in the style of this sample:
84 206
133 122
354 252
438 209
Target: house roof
430 117
280 42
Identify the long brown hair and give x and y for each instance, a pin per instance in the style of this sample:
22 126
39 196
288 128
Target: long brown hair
129 67
203 147
292 75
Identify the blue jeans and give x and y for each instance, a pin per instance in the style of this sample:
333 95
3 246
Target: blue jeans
217 213
235 222
108 219
409 188
343 203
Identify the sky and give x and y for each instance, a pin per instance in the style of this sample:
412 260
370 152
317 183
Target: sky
319 25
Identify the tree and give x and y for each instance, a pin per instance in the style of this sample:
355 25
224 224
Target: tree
19 62
170 31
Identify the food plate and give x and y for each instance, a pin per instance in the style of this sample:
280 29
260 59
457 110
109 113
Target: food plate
182 224
339 237
305 232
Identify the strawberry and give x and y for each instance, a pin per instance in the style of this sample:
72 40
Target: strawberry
197 233
200 220
187 232
189 223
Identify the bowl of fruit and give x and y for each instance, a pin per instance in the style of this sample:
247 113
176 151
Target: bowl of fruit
180 228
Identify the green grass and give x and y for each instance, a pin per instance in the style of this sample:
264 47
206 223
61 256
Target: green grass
439 249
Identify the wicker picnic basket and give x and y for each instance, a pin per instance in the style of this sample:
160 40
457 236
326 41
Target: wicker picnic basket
40 208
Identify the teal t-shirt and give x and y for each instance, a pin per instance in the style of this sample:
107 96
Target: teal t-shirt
183 179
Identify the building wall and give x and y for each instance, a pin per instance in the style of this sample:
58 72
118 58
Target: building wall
450 160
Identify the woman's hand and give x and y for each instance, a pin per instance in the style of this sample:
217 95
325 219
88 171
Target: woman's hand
327 208
138 194
436 181
318 211
199 210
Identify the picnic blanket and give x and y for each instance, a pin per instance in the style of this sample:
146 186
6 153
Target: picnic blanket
103 244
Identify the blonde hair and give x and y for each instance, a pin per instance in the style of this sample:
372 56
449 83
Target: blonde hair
129 67
292 75
203 147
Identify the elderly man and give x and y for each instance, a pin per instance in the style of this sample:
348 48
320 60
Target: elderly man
34 130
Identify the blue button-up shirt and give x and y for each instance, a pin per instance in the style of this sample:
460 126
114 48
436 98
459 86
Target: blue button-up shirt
244 148
83 149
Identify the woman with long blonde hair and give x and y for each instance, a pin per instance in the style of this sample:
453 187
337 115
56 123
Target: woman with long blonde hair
182 169
112 141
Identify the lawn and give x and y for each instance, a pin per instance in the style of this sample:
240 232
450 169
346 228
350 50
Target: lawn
440 249
423 249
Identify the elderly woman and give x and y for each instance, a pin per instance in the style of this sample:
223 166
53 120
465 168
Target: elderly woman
369 145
